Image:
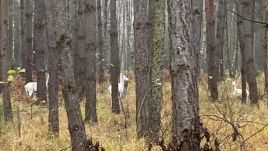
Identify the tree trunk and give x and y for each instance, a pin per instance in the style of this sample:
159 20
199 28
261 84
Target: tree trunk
185 116
220 41
115 69
142 64
212 55
259 32
100 44
39 49
62 42
4 59
22 34
53 64
197 7
247 48
79 54
28 39
90 30
157 22
266 48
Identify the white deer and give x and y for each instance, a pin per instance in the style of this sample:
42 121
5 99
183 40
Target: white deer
122 86
31 87
237 92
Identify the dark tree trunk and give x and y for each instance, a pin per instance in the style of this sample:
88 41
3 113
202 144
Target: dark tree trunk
22 34
4 59
142 64
212 57
28 39
246 30
114 58
53 66
100 44
90 30
185 101
39 48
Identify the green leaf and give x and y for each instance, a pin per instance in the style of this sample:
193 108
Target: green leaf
10 72
112 65
2 82
21 71
10 78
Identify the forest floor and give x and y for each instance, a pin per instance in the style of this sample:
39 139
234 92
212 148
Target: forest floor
229 122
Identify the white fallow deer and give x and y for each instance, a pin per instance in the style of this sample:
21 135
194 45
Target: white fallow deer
237 92
122 86
31 87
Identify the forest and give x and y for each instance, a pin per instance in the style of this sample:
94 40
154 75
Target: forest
133 75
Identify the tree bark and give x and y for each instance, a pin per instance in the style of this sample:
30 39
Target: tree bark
28 39
156 18
62 43
90 30
39 49
142 64
212 55
247 48
220 41
115 66
4 59
100 44
185 116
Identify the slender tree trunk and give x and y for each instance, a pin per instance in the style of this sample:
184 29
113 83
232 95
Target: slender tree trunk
11 32
266 48
100 44
4 59
16 34
259 32
247 48
197 8
220 41
52 25
156 18
212 55
22 34
62 42
79 54
90 30
28 39
185 116
39 48
115 69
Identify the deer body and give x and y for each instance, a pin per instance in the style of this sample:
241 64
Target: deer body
31 87
122 86
237 92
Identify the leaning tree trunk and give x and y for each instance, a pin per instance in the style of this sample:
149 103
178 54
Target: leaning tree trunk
185 116
57 17
157 18
4 59
114 67
39 48
90 79
212 57
142 64
247 48
28 39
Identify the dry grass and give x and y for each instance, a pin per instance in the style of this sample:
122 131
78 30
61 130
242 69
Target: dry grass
112 135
